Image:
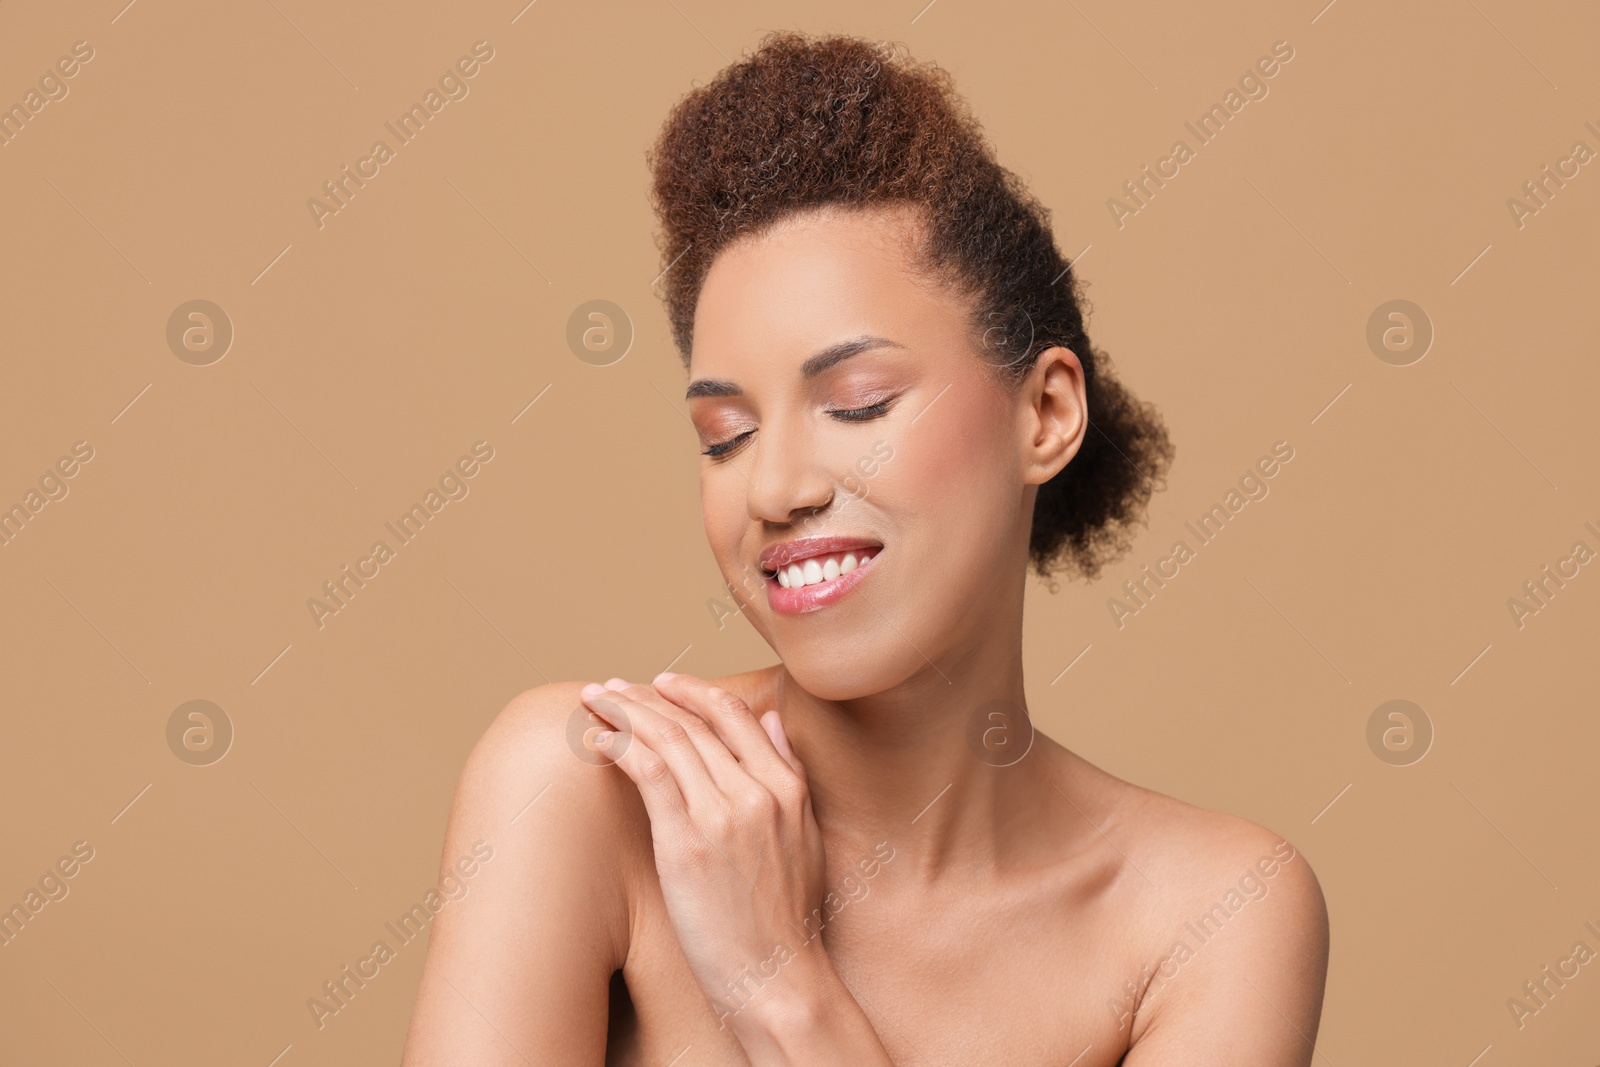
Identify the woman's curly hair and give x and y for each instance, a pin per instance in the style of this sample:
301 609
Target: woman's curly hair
811 122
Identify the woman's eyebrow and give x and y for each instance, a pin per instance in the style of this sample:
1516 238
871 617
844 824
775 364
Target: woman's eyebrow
712 387
815 365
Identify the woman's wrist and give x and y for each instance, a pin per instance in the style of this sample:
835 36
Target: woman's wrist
808 1016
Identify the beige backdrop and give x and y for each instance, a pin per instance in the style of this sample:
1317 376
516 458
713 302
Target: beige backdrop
372 347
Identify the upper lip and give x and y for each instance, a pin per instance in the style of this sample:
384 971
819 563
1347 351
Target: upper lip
786 552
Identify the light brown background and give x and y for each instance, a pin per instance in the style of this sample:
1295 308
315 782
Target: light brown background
428 314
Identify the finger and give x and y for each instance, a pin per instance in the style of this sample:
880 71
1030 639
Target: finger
670 818
780 776
675 812
733 720
650 773
665 737
773 724
725 770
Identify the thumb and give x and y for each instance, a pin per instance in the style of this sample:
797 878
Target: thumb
773 724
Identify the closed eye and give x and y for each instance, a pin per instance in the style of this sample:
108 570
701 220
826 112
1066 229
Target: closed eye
724 447
863 414
871 411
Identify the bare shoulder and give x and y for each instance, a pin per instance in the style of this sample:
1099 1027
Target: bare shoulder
524 726
534 779
1236 927
533 776
1200 854
535 750
531 937
1186 854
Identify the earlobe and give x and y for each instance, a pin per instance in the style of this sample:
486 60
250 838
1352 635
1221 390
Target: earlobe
1059 405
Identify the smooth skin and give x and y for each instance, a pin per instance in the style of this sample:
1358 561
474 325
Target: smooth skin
810 863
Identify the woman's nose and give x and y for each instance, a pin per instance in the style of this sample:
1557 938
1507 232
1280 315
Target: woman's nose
788 479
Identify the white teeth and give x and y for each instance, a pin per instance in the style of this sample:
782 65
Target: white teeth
821 569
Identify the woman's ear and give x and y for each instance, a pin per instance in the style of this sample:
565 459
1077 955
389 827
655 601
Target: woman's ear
1055 416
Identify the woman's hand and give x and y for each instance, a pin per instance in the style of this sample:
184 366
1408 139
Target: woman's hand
737 847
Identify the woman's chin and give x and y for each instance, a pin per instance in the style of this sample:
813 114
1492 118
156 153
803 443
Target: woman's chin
847 676
825 685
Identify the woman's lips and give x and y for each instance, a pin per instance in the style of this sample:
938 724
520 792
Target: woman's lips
787 552
797 600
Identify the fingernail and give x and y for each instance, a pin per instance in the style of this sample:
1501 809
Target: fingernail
664 676
593 689
602 736
616 684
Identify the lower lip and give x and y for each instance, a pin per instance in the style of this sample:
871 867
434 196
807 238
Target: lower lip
798 601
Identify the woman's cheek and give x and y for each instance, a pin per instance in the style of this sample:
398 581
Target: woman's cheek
955 475
722 509
956 454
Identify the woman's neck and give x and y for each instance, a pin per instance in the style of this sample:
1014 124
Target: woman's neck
934 766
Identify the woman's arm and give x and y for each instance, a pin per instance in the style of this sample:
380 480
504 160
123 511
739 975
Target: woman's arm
518 968
740 860
1252 992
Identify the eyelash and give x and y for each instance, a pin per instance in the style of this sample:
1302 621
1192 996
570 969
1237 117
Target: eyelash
862 414
866 414
717 451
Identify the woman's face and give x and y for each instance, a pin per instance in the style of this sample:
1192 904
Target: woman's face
859 446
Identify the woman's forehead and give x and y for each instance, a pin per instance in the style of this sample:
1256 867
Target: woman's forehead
815 280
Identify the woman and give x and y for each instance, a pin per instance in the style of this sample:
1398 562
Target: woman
863 854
